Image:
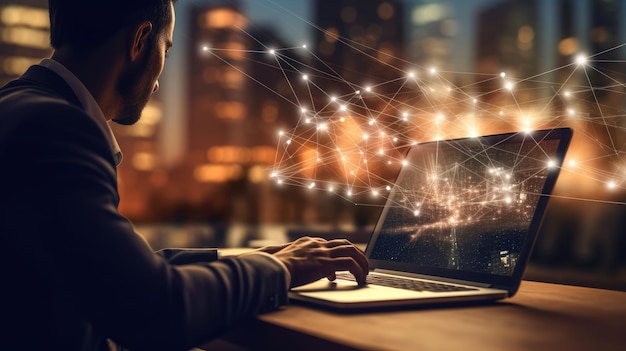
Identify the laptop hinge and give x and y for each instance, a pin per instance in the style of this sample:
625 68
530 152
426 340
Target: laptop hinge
434 278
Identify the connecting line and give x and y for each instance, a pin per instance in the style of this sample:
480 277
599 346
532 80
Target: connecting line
330 129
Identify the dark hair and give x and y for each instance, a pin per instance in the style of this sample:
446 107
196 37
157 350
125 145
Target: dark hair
87 23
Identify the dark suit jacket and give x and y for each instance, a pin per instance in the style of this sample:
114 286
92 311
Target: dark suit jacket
73 270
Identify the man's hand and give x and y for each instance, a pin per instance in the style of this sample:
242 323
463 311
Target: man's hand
309 259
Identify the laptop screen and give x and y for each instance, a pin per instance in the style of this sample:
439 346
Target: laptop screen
469 204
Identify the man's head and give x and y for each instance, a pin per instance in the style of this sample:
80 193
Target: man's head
141 31
82 24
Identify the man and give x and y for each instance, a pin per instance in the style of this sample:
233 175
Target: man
75 274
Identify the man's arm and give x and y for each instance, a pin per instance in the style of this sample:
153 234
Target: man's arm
135 297
187 256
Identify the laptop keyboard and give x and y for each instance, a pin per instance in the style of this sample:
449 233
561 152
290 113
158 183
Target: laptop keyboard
410 284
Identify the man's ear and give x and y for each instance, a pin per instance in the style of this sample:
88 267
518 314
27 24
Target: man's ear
140 38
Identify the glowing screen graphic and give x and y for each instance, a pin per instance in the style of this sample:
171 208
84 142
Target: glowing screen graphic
464 204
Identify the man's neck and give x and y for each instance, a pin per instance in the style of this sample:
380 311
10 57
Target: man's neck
97 71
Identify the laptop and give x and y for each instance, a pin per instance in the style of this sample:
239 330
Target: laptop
458 225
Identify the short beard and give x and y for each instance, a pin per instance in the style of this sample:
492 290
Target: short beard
132 88
130 113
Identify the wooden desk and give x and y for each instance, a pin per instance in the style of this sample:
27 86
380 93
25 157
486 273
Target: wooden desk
540 316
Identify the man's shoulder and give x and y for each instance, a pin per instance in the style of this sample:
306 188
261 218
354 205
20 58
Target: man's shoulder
30 106
23 98
32 121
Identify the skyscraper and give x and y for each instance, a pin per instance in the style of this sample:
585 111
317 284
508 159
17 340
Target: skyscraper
235 105
360 39
24 36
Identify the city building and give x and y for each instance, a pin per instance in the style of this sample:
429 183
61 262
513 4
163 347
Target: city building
141 174
550 41
24 36
359 40
237 101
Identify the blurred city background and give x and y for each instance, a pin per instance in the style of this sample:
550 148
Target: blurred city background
196 168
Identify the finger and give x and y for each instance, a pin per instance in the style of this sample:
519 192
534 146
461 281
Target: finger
311 239
338 242
344 242
346 264
353 252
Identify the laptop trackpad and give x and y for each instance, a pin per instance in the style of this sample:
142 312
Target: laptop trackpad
348 291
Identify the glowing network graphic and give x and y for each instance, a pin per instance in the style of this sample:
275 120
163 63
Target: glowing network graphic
350 138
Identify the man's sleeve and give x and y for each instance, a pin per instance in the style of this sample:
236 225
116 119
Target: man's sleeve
186 256
135 297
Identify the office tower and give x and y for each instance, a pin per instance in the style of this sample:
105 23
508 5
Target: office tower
526 39
216 112
432 31
360 39
141 174
360 44
533 37
361 49
24 36
236 103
